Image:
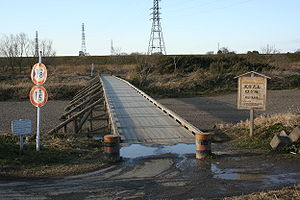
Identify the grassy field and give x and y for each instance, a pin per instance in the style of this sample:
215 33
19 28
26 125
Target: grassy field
265 129
60 155
181 76
160 76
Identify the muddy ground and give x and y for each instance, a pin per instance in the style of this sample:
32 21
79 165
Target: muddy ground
169 175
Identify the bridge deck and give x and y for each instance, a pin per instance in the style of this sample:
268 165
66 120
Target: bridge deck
138 120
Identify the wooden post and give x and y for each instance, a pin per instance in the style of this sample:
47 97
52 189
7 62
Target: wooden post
251 116
66 128
75 125
91 121
251 122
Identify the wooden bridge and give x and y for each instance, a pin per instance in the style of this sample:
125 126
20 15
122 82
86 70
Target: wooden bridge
130 113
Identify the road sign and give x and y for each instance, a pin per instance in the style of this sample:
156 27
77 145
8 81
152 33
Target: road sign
39 74
21 127
38 96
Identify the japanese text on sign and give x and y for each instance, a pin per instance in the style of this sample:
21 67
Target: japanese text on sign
252 93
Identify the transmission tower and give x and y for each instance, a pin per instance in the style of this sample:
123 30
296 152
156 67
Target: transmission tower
83 47
112 49
156 43
36 45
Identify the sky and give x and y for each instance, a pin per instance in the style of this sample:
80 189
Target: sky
189 26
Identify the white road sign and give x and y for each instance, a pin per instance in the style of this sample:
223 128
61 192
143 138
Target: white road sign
38 96
39 74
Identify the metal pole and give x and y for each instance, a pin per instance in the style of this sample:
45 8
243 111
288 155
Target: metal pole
38 130
38 117
21 142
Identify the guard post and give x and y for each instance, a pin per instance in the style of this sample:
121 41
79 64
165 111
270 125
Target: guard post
252 94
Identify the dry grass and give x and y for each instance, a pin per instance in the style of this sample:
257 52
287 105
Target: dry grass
62 82
286 119
86 69
264 130
290 193
60 155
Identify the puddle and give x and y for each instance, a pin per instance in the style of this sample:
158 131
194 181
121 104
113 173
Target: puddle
138 150
238 174
97 137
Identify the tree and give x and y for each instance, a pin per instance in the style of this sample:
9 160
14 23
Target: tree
225 50
15 46
46 48
270 50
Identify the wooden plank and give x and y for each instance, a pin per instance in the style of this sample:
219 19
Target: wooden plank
173 115
83 97
84 93
79 106
139 118
61 125
111 118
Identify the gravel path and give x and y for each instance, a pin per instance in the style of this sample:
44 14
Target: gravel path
203 112
11 110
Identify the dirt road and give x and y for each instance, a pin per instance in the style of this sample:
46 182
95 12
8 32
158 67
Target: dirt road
202 112
205 112
11 110
167 176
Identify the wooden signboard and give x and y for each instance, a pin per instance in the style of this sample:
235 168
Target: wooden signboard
252 93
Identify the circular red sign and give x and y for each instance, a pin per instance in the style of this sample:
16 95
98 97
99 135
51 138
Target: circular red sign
39 74
38 96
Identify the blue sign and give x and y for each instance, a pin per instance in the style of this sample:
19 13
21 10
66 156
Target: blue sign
21 127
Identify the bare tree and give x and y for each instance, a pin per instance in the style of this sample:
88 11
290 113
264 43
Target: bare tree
16 46
46 48
270 49
9 49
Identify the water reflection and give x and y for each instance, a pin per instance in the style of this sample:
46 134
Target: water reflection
138 150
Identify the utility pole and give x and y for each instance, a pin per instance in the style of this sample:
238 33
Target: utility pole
156 43
36 44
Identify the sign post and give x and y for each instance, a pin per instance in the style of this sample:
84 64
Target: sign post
252 94
21 128
38 94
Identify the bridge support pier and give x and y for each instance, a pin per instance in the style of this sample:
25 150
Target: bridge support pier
203 145
111 148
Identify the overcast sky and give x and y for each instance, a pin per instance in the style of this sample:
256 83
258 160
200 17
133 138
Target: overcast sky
189 26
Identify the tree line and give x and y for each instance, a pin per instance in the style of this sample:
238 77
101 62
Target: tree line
14 47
